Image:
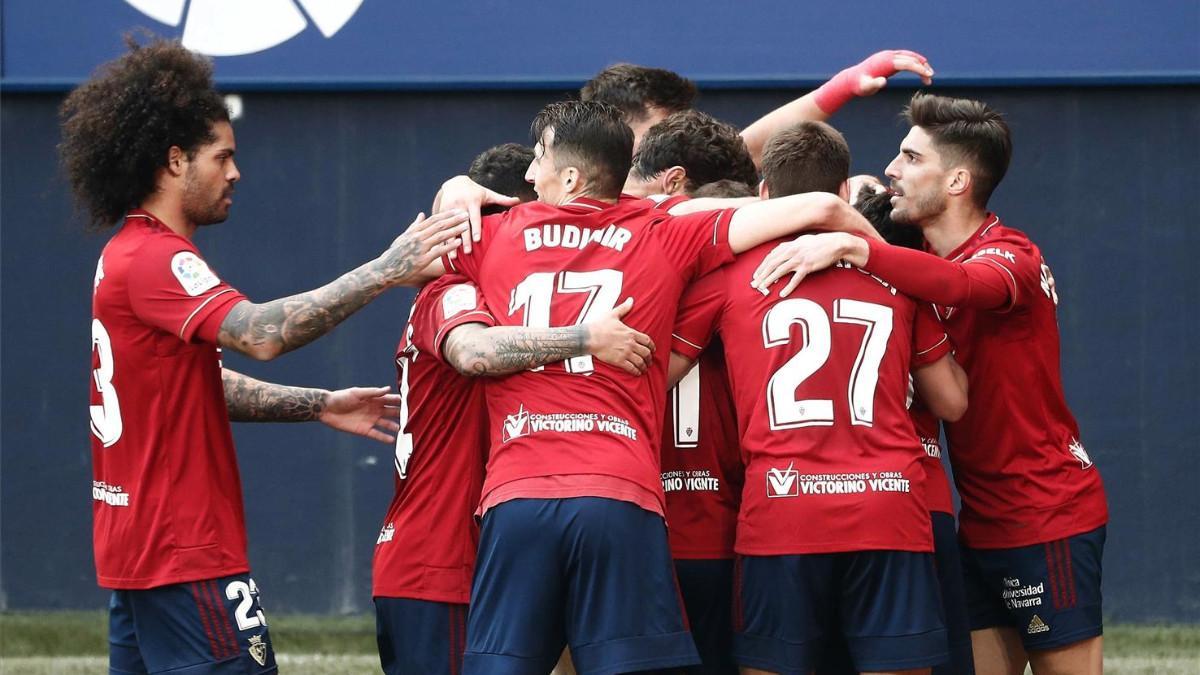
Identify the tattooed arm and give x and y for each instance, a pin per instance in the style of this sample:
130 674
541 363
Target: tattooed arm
366 411
474 349
266 330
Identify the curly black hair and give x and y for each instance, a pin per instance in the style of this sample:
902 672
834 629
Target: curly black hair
118 127
707 148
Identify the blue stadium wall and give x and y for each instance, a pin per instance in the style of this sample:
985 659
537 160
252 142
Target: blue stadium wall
1104 180
345 137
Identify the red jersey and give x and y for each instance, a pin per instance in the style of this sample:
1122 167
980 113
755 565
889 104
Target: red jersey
820 383
1022 472
426 548
701 461
580 427
167 498
937 486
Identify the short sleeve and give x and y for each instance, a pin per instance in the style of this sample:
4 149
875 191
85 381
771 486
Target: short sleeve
448 303
930 341
173 289
697 243
468 264
1021 264
699 312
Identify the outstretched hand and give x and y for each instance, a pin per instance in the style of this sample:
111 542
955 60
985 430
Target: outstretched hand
425 240
465 194
616 344
801 257
366 411
868 77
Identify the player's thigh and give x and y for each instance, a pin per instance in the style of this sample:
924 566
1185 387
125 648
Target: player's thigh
1049 592
124 657
954 597
418 636
707 590
998 651
214 626
783 611
514 624
1079 658
623 610
890 610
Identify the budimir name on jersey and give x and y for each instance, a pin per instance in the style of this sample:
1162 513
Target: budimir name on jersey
573 236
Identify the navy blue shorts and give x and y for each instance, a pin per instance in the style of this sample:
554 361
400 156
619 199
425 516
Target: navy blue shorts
836 658
1050 593
589 572
418 636
214 626
884 603
954 597
707 590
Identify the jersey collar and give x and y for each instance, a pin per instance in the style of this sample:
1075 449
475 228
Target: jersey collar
990 220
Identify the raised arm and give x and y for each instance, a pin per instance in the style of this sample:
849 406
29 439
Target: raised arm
763 221
366 411
921 275
266 330
942 386
474 349
863 79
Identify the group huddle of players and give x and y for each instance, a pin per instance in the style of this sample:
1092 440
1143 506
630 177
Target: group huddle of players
676 408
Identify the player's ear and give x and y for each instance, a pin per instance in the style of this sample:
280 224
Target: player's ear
571 179
844 190
674 180
176 160
763 192
958 182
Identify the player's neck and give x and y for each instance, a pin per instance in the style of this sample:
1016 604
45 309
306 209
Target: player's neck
587 193
169 211
949 229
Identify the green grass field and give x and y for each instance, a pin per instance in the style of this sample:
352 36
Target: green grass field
73 643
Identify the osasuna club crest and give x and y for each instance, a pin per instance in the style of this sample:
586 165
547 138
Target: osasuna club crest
258 650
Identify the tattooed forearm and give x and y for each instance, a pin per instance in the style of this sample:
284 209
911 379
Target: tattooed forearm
265 330
251 400
474 349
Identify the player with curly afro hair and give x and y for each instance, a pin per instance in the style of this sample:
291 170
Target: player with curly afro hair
118 128
147 143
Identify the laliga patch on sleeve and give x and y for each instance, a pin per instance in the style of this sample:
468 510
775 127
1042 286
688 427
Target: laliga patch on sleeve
193 273
459 299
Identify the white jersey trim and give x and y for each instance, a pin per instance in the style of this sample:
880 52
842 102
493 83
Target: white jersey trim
183 329
939 344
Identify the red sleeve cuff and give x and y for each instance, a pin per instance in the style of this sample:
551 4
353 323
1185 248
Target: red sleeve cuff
932 354
686 347
205 322
473 316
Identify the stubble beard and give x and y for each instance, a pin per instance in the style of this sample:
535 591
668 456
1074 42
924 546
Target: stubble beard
198 208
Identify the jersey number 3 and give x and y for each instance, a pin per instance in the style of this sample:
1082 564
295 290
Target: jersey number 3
106 417
786 412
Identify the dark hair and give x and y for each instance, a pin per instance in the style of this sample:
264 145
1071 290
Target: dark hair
591 136
807 157
118 127
877 208
633 89
965 131
705 147
724 188
502 169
